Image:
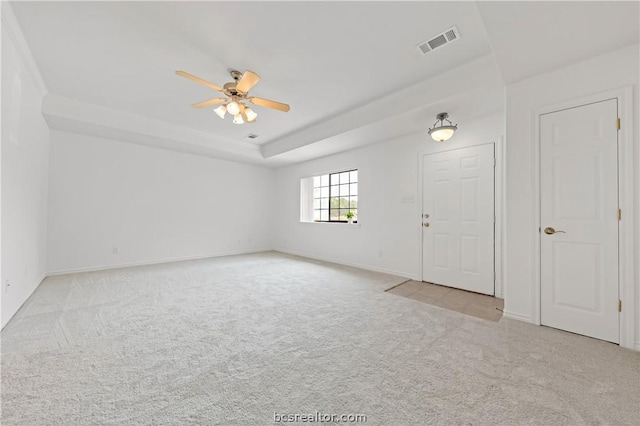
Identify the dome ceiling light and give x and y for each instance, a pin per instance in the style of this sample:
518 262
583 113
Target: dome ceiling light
442 132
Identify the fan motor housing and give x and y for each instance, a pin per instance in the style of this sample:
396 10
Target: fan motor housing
231 90
231 87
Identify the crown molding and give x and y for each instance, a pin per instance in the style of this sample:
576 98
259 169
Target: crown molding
14 32
482 72
73 116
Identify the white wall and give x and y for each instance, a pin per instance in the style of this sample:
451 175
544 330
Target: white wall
388 235
152 204
613 70
25 152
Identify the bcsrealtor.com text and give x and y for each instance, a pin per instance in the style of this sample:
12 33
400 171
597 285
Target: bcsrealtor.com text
318 417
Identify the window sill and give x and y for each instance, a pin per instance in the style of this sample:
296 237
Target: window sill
350 225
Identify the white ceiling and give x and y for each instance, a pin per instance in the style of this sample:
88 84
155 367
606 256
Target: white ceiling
532 37
331 61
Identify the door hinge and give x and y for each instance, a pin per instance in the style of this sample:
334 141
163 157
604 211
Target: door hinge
617 123
495 162
619 215
619 305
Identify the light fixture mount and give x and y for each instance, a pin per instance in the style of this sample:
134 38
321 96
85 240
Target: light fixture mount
442 132
443 116
231 89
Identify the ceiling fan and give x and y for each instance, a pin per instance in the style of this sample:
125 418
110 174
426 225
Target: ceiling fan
236 92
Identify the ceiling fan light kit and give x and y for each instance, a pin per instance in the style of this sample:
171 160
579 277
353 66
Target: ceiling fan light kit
220 111
442 132
236 92
233 108
251 115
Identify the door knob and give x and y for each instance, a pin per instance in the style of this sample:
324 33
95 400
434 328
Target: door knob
426 224
550 231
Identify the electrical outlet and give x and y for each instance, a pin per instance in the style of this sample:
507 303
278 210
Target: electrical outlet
114 250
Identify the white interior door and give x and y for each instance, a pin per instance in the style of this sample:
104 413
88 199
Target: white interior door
458 219
579 200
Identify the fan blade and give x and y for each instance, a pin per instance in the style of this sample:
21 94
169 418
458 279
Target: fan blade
269 104
209 102
199 80
248 80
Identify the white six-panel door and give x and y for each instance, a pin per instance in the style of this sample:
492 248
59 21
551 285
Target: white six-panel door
458 219
579 201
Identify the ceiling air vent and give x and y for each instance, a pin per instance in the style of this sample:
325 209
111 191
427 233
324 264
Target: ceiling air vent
438 41
252 136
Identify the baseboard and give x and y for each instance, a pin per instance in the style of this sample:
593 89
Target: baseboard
355 265
155 262
516 317
42 277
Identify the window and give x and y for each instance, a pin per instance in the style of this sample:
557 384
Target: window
334 195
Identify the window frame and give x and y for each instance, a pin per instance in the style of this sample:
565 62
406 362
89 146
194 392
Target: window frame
329 186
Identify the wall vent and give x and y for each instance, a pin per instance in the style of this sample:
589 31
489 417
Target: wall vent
438 41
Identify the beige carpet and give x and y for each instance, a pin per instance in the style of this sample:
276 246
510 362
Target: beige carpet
230 341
